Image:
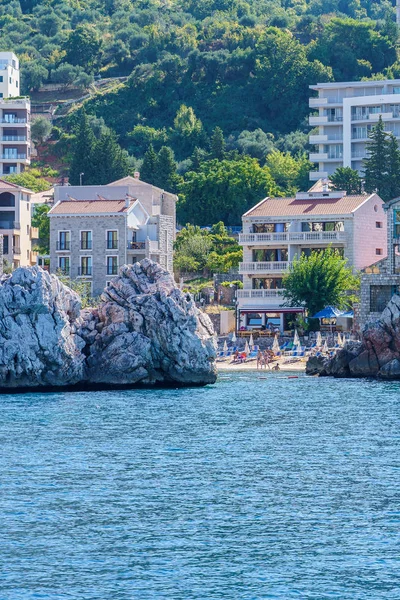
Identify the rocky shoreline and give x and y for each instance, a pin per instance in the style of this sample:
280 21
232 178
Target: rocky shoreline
377 355
144 331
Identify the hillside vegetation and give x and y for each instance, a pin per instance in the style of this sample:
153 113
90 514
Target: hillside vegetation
197 65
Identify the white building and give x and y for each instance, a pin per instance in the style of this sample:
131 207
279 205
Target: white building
278 229
14 118
344 114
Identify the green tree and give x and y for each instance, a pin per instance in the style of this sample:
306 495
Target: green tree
289 172
347 179
83 46
40 130
217 144
41 220
82 153
109 161
325 272
31 178
149 166
376 163
33 76
392 189
166 176
224 190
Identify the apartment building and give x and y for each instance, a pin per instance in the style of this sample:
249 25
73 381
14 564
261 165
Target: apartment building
94 230
344 114
278 229
15 224
14 118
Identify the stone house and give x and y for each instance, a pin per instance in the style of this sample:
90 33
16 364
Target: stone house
94 230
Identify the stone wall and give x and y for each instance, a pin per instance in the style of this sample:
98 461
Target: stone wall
367 281
166 236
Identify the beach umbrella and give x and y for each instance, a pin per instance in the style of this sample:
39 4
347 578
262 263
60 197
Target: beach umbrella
225 347
329 312
246 348
319 340
325 347
233 337
343 340
296 339
339 339
251 342
275 346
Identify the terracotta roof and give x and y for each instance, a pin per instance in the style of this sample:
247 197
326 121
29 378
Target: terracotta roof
286 207
82 207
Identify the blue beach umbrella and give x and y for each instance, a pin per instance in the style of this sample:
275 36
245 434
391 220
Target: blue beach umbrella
329 312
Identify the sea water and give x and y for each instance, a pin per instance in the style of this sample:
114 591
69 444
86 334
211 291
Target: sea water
250 489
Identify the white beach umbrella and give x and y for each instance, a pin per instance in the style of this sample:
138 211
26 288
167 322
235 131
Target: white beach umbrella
339 339
325 347
319 339
251 341
275 346
296 339
246 348
233 337
343 340
225 346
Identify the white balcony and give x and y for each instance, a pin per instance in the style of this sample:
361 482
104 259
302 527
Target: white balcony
320 120
318 139
266 239
263 267
316 102
260 298
376 116
317 157
316 175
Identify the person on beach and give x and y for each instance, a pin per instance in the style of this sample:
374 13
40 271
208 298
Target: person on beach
260 359
276 367
266 360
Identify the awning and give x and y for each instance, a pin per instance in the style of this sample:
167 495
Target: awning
271 310
329 312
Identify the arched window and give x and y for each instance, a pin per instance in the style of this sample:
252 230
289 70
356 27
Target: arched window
7 199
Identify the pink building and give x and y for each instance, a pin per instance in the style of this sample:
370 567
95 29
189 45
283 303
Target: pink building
278 229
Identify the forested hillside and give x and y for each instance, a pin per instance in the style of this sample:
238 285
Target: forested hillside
243 66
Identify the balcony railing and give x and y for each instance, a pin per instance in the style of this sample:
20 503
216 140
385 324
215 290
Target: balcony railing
15 120
16 250
260 293
13 157
263 267
63 246
136 245
85 271
10 225
13 138
307 236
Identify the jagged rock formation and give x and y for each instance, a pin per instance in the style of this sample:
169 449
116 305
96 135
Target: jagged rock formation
144 331
377 355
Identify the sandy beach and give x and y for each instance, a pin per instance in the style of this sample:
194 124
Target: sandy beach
299 366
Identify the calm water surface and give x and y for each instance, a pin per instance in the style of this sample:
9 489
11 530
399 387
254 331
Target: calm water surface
249 489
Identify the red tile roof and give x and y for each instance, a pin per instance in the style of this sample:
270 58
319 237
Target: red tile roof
5 185
277 207
83 207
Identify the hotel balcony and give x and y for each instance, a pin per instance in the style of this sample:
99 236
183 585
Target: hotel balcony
13 138
316 102
9 224
14 157
316 175
318 120
267 239
259 298
317 157
318 139
259 268
137 246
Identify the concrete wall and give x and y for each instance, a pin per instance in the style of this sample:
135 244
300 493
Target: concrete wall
367 237
227 321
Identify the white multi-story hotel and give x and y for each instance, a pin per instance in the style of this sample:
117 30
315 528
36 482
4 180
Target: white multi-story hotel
344 114
14 118
278 229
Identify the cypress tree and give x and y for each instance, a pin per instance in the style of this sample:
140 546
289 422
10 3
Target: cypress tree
166 176
392 189
376 164
217 144
82 152
149 166
109 160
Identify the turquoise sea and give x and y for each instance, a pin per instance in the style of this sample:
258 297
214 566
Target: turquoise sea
251 489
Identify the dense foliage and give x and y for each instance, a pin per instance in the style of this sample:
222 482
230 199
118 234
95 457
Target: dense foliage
325 271
382 165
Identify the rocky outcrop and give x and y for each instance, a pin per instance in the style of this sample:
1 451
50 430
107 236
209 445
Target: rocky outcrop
144 331
377 355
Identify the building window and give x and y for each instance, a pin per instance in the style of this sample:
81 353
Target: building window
1 78
63 264
112 265
5 244
1 94
379 225
379 251
380 296
86 240
64 240
112 240
86 266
